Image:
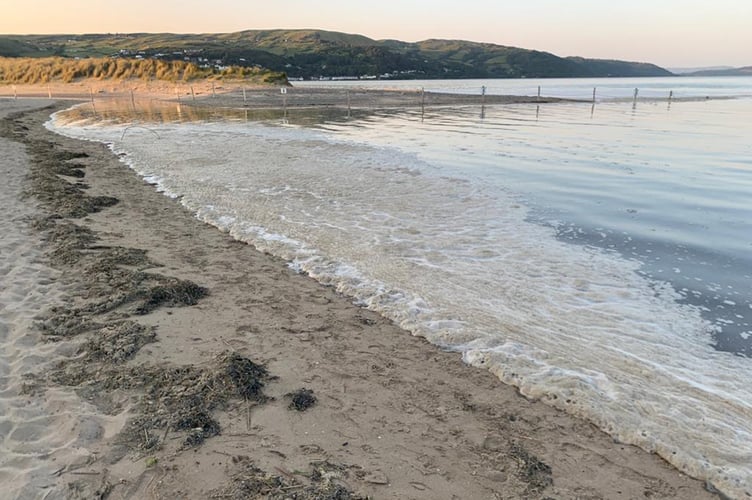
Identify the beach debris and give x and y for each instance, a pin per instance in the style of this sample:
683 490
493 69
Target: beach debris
66 240
62 323
183 398
114 277
50 165
301 400
65 198
113 257
325 482
533 471
111 285
118 342
251 482
198 422
246 376
173 293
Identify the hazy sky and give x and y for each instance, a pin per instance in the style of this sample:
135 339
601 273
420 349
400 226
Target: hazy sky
665 32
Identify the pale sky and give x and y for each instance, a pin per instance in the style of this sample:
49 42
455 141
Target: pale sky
670 33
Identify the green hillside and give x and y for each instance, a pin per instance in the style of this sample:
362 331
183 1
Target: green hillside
316 53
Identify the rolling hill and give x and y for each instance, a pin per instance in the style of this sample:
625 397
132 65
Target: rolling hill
745 71
317 53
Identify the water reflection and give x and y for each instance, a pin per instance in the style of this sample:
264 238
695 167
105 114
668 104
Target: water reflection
134 110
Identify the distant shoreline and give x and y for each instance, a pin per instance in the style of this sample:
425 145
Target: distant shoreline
207 93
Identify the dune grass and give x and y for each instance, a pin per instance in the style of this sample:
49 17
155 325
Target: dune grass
27 70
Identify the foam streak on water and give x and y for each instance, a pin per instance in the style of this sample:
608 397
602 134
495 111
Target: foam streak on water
458 262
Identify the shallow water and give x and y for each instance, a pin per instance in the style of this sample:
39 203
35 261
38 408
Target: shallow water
606 89
572 88
595 258
645 182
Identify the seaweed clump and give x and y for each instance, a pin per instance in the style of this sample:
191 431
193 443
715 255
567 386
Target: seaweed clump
64 198
302 399
325 481
66 240
118 342
178 398
171 294
246 377
532 470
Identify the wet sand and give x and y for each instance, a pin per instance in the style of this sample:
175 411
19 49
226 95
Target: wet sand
211 370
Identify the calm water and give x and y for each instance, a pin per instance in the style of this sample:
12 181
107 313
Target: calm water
596 258
573 88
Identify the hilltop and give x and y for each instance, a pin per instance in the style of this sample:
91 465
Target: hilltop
316 53
744 71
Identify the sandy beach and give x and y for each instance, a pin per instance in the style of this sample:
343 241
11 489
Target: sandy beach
149 355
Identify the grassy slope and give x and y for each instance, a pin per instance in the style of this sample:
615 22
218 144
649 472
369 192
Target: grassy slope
27 70
324 53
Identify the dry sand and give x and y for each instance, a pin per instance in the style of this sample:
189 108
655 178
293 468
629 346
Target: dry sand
39 435
168 323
